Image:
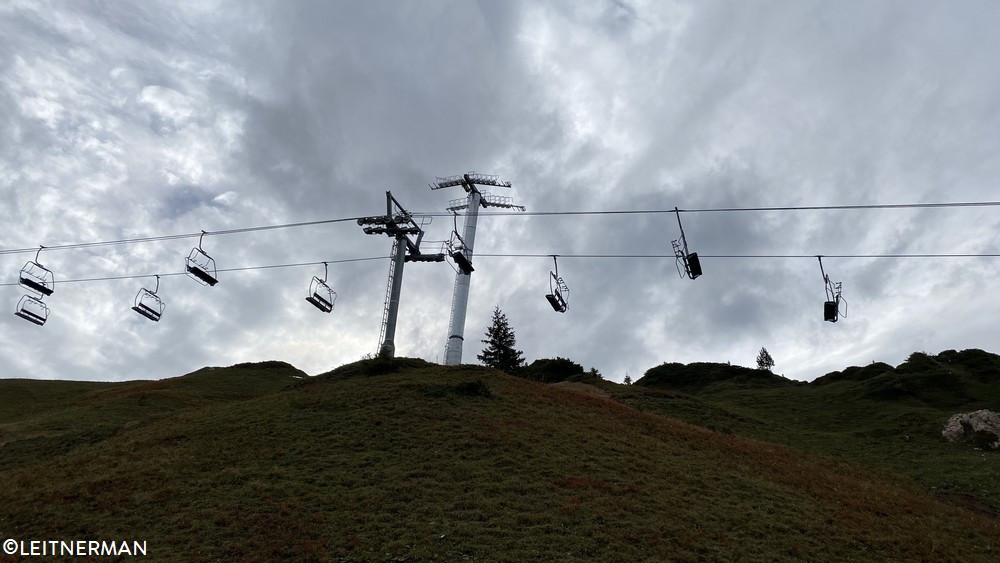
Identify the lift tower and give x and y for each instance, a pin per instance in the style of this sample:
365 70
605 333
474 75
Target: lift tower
472 202
399 224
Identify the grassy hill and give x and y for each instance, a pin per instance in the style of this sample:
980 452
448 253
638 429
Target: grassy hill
405 460
43 419
876 415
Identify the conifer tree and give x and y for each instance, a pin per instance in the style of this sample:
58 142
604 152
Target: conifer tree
500 352
764 360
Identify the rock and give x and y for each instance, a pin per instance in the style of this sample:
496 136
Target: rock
983 426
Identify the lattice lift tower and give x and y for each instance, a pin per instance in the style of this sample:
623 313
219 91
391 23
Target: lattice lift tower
461 253
399 224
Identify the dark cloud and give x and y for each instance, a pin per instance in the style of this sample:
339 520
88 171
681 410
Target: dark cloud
125 121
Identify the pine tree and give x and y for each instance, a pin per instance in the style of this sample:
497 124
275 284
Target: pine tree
764 360
500 352
628 380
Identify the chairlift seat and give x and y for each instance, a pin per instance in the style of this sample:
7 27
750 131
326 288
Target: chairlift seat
557 302
462 262
147 312
35 286
694 265
202 275
33 310
830 311
320 302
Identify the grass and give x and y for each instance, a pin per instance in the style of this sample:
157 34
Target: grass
44 419
405 460
877 416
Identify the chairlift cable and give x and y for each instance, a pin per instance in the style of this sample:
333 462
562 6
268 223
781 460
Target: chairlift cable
546 255
242 269
738 209
629 256
178 236
509 213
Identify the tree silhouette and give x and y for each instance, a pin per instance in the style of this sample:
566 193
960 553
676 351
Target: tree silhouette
764 360
500 352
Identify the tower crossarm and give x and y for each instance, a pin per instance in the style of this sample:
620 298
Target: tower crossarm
505 202
458 204
468 181
486 180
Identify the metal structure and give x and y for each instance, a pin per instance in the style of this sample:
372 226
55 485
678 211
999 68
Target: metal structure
834 297
38 279
456 250
689 260
32 309
149 304
320 294
399 224
463 256
200 266
558 294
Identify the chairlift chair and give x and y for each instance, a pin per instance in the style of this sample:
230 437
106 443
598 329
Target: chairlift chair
32 309
200 266
149 304
320 294
36 277
558 295
834 297
456 249
689 260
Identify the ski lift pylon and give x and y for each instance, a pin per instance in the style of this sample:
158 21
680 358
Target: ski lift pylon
36 277
692 265
320 294
149 304
32 309
200 266
558 294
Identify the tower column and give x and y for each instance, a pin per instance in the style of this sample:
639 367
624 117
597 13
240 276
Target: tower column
460 299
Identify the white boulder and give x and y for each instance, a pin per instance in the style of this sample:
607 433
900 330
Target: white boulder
982 425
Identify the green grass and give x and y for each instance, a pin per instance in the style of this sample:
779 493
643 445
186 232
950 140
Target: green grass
877 416
405 460
43 419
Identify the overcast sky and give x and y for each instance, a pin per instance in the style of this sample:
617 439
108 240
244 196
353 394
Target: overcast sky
122 120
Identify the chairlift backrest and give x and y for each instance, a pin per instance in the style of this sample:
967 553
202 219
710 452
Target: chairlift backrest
32 309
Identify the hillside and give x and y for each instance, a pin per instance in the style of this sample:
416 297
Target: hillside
43 419
405 460
876 415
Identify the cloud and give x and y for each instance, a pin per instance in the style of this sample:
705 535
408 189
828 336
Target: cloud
120 121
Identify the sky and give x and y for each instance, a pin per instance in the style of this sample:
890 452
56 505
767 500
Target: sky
127 120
